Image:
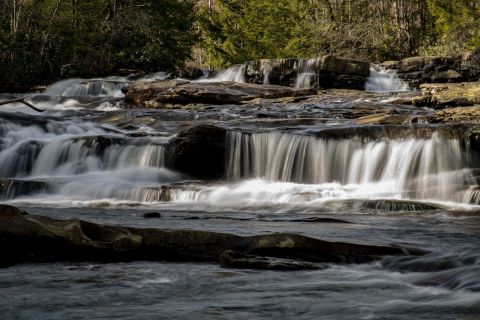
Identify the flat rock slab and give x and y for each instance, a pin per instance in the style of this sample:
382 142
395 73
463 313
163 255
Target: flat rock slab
166 93
438 95
30 238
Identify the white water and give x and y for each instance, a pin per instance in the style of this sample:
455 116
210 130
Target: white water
87 88
411 168
98 87
382 80
306 71
85 161
235 73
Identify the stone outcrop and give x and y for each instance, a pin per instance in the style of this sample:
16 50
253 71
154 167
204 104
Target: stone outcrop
417 70
31 238
459 115
160 94
326 72
440 96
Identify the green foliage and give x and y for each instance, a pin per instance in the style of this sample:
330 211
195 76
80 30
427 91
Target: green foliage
455 27
65 38
251 29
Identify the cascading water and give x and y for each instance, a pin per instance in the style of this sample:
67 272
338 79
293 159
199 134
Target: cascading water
235 73
99 87
383 80
83 160
306 72
413 168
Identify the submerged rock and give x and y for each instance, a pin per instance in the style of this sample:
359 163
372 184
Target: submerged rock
150 215
231 259
31 238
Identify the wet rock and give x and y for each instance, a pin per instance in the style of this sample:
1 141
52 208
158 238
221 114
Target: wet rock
31 238
177 92
321 220
150 215
13 188
26 238
199 152
231 259
400 205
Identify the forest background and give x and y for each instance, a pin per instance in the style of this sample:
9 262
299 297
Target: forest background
42 41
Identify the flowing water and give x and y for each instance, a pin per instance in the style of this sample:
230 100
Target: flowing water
383 80
91 157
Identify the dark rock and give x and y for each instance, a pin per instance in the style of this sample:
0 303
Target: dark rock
150 215
231 259
30 238
199 152
192 73
12 188
320 220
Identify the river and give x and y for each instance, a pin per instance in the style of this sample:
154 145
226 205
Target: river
287 168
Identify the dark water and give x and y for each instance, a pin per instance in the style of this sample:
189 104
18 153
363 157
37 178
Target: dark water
117 183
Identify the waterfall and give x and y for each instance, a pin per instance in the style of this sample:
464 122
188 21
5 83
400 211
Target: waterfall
87 88
383 80
81 161
69 149
432 168
235 73
306 72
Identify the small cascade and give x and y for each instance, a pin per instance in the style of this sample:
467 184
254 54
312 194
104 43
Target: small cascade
306 72
414 168
383 80
87 88
235 73
62 149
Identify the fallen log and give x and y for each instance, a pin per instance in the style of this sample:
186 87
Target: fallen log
22 100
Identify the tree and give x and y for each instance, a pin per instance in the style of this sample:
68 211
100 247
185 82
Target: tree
42 41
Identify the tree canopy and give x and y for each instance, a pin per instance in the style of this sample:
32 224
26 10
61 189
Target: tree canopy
44 40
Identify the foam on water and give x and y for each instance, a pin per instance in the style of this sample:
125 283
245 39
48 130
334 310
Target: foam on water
432 168
383 80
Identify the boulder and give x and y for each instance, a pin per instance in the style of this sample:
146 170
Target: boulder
198 152
31 238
